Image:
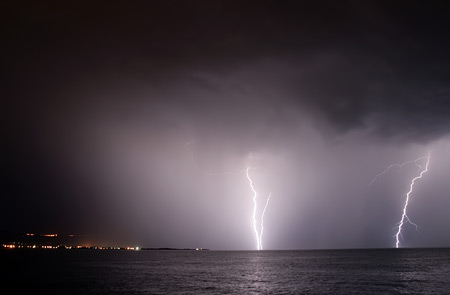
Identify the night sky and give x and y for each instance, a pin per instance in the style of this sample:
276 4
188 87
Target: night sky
133 122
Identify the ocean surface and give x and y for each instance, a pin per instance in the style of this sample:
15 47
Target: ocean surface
383 271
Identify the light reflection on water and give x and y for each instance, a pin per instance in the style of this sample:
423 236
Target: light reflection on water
391 271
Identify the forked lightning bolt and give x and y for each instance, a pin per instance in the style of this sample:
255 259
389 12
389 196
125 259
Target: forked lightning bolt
399 166
408 194
405 217
258 234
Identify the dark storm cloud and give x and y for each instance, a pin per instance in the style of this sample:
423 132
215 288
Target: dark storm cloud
103 99
366 64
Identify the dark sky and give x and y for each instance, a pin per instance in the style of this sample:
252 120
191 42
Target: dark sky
132 122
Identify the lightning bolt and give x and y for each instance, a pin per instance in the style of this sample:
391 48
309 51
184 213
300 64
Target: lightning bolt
254 223
258 234
399 166
405 207
405 219
255 204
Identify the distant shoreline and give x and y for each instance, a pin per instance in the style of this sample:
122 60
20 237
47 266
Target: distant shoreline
96 248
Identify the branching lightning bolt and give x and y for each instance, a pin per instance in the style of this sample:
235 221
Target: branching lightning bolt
258 234
399 166
405 219
405 207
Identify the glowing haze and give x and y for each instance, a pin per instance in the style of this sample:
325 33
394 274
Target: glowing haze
102 97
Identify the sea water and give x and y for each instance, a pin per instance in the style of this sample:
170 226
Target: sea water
377 271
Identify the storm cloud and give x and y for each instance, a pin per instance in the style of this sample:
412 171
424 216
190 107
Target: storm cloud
135 121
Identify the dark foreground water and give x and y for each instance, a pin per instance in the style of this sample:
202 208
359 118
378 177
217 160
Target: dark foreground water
388 271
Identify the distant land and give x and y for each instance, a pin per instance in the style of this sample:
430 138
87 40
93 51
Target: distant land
10 240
